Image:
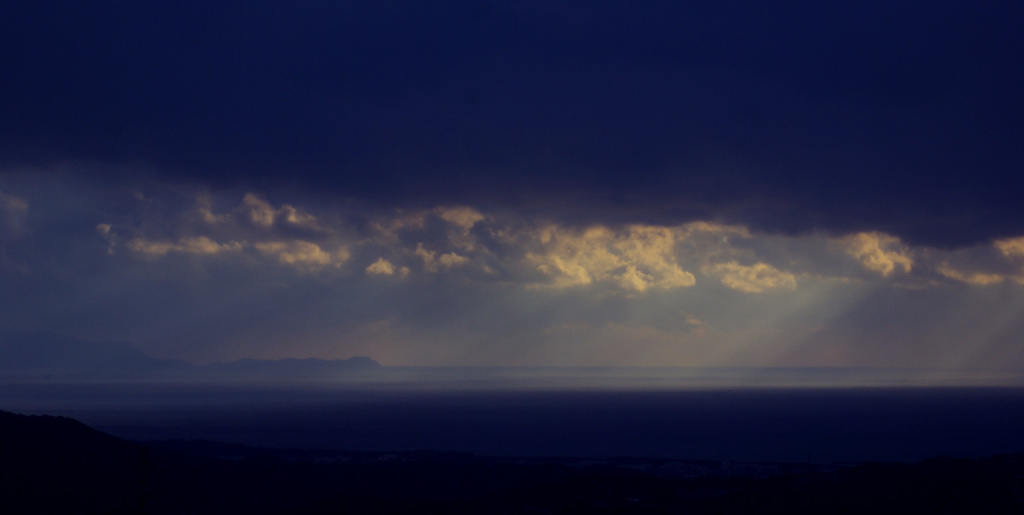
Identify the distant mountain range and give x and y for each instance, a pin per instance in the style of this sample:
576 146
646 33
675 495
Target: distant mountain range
47 356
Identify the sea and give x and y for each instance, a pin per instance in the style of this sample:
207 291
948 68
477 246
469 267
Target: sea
731 414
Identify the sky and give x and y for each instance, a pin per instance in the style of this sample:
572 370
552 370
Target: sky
552 183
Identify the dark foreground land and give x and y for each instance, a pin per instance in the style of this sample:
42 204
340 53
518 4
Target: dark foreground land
58 465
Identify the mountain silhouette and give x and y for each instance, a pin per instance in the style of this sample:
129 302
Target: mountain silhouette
39 355
47 356
59 465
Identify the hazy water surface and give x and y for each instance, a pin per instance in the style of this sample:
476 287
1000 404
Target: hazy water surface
728 414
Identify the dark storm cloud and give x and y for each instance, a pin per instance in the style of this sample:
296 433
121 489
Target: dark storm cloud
785 116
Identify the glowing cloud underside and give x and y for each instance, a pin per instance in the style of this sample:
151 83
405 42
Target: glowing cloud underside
635 259
381 267
461 240
455 285
1011 248
255 227
976 278
878 252
433 263
188 245
755 278
302 253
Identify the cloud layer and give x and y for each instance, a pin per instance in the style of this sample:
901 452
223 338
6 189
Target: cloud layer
497 182
204 275
475 246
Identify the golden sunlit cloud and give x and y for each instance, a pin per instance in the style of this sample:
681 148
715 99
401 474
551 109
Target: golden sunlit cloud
601 293
462 216
262 214
976 278
980 271
234 232
301 252
535 254
1011 247
878 252
636 258
755 278
203 210
190 245
452 259
720 230
384 267
381 267
259 211
432 263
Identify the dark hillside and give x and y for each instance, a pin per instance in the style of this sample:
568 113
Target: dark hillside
57 465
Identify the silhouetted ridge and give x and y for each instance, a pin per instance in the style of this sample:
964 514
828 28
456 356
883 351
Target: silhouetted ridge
59 465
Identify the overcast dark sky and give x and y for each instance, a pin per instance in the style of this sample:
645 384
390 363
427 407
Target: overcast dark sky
531 182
